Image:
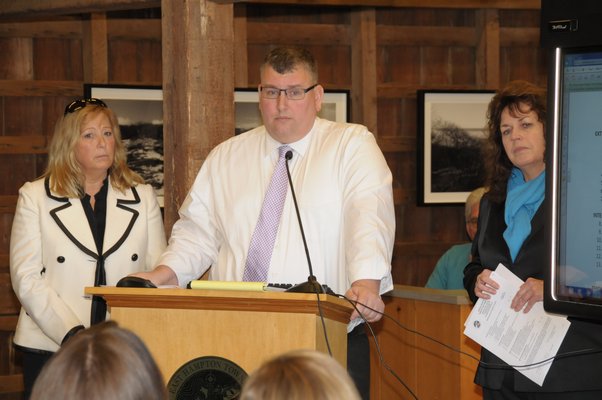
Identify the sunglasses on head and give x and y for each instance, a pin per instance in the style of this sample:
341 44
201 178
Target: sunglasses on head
81 103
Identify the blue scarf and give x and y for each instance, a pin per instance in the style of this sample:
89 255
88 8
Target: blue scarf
522 201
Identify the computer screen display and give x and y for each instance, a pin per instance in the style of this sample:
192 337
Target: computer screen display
574 186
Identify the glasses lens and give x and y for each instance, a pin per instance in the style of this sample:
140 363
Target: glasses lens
295 93
270 93
81 103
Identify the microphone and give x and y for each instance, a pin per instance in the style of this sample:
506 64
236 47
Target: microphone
312 285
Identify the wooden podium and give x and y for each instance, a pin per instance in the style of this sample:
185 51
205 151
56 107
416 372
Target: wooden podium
247 328
429 369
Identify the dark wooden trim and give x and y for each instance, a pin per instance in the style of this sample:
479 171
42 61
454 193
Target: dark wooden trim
497 4
11 9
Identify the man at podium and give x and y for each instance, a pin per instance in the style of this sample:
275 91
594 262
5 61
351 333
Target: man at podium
239 217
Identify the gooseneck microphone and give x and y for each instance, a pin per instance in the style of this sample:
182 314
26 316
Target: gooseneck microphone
312 285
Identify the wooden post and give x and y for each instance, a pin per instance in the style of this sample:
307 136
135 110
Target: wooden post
488 49
95 49
363 64
198 91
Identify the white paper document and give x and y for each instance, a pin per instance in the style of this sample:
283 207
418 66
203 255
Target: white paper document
515 337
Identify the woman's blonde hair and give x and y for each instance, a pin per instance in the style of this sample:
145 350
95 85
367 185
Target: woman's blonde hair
300 375
99 363
65 173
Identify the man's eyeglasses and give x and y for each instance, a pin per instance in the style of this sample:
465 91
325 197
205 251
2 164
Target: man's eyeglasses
81 103
295 93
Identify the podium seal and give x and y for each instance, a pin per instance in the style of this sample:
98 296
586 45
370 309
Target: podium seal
206 378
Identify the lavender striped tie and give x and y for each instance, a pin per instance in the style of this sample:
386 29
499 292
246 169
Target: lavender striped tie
264 236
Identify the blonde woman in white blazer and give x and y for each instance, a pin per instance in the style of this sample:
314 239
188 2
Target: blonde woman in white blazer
88 221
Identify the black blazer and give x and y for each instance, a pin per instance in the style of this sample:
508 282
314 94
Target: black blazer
571 373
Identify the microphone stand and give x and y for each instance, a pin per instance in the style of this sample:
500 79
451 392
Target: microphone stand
312 285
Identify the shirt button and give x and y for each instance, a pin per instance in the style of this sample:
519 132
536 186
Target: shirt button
60 259
134 257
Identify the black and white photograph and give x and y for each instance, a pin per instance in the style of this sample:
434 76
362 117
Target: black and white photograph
451 132
140 114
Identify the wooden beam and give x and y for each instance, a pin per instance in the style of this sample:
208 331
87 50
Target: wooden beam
35 144
10 9
27 9
95 49
488 49
127 29
426 35
363 73
198 91
300 34
41 88
490 4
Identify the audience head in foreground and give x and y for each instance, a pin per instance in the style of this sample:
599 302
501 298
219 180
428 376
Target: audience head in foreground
99 363
300 375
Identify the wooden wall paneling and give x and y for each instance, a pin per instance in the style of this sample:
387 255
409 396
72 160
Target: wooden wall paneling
8 301
148 61
134 29
462 63
57 59
122 61
364 106
20 63
15 170
23 115
523 63
434 63
201 33
241 65
95 49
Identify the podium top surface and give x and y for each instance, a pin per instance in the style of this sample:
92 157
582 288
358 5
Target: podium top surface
265 301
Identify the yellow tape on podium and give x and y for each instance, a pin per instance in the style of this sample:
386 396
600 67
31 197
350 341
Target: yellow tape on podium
228 285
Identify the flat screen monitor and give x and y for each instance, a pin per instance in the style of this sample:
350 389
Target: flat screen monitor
574 183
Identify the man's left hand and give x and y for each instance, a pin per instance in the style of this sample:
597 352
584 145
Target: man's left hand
366 291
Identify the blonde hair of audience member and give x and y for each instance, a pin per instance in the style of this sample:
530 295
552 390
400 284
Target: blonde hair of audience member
300 375
99 363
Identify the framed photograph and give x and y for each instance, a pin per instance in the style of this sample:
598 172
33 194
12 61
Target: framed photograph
139 110
335 107
451 132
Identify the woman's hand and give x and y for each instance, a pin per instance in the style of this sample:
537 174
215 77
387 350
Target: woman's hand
485 287
528 294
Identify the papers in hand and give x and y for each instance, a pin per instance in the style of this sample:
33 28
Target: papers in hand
518 338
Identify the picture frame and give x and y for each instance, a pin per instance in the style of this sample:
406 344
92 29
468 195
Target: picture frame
335 107
451 132
139 110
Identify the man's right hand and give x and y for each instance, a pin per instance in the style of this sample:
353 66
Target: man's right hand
160 276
